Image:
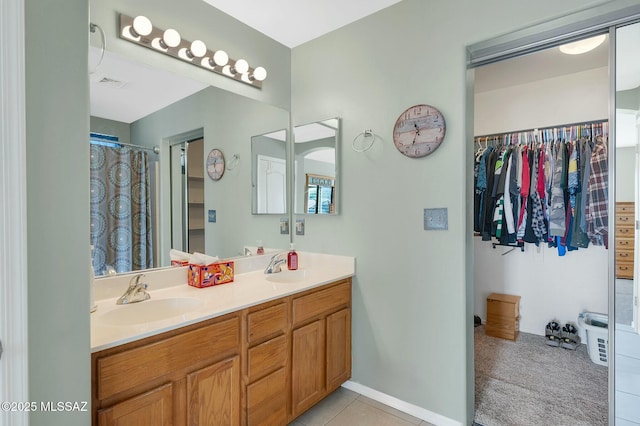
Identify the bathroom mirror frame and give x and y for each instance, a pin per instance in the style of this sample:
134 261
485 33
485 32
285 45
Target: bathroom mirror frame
316 187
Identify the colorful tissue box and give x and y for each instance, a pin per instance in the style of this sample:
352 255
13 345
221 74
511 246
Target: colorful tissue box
179 262
208 275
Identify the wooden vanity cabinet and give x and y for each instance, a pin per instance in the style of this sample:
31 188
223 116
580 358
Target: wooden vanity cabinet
264 365
185 376
321 344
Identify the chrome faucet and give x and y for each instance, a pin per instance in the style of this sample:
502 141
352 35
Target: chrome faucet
274 264
136 292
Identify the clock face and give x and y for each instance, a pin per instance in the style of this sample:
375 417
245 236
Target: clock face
419 131
215 164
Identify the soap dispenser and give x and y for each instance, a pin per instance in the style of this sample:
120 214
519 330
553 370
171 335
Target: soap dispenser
292 259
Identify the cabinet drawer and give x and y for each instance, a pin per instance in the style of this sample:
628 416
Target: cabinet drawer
624 219
625 208
267 400
266 322
624 269
319 302
267 356
624 243
134 367
623 231
624 255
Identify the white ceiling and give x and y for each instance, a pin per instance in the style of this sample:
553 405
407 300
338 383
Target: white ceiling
125 91
294 22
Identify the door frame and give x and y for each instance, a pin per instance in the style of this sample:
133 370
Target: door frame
552 33
13 212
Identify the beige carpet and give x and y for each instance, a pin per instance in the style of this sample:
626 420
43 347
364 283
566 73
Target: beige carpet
527 382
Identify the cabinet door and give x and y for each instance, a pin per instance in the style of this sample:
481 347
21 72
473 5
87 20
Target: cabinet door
213 394
307 366
267 400
153 408
338 349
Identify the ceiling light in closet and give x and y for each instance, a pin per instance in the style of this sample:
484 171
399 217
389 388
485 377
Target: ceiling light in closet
140 30
583 46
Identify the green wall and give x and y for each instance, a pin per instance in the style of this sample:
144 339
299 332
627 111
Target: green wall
412 314
57 122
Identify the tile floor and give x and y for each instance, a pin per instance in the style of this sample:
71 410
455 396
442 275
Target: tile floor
347 408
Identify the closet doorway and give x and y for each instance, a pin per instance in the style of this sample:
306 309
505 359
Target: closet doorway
550 110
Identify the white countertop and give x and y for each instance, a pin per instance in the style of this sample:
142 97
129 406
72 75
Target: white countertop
249 288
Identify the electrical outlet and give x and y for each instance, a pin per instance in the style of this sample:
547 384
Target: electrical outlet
436 219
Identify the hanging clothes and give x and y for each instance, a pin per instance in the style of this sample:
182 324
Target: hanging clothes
545 189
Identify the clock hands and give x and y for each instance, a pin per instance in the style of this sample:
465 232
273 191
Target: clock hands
417 133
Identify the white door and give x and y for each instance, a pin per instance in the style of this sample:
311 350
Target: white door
271 185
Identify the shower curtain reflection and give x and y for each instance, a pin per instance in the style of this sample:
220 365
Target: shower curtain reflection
121 231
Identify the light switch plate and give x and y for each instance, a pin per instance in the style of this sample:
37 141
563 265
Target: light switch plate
284 225
436 219
300 226
212 216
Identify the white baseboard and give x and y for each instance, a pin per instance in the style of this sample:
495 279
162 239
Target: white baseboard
398 404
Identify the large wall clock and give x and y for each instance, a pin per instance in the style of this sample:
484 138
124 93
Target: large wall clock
419 131
215 164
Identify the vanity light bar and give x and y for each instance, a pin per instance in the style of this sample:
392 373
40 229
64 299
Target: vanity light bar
139 30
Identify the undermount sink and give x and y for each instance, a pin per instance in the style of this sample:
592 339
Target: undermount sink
150 310
289 276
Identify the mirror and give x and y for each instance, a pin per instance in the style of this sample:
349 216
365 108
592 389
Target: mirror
627 172
316 167
269 173
222 120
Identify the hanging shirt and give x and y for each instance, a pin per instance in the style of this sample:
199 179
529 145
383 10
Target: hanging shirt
579 236
537 208
508 205
597 204
557 213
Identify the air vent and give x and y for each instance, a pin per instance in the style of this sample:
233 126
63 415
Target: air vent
116 84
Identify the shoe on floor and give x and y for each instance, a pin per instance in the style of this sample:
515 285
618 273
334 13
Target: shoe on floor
553 333
570 338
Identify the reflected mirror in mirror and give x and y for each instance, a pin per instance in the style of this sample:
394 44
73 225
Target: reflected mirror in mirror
315 162
627 127
269 173
146 107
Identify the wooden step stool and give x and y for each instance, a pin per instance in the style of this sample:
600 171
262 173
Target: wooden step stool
503 316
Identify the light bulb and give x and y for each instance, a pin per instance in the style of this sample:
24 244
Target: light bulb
583 46
220 58
241 66
198 49
171 38
259 74
142 26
